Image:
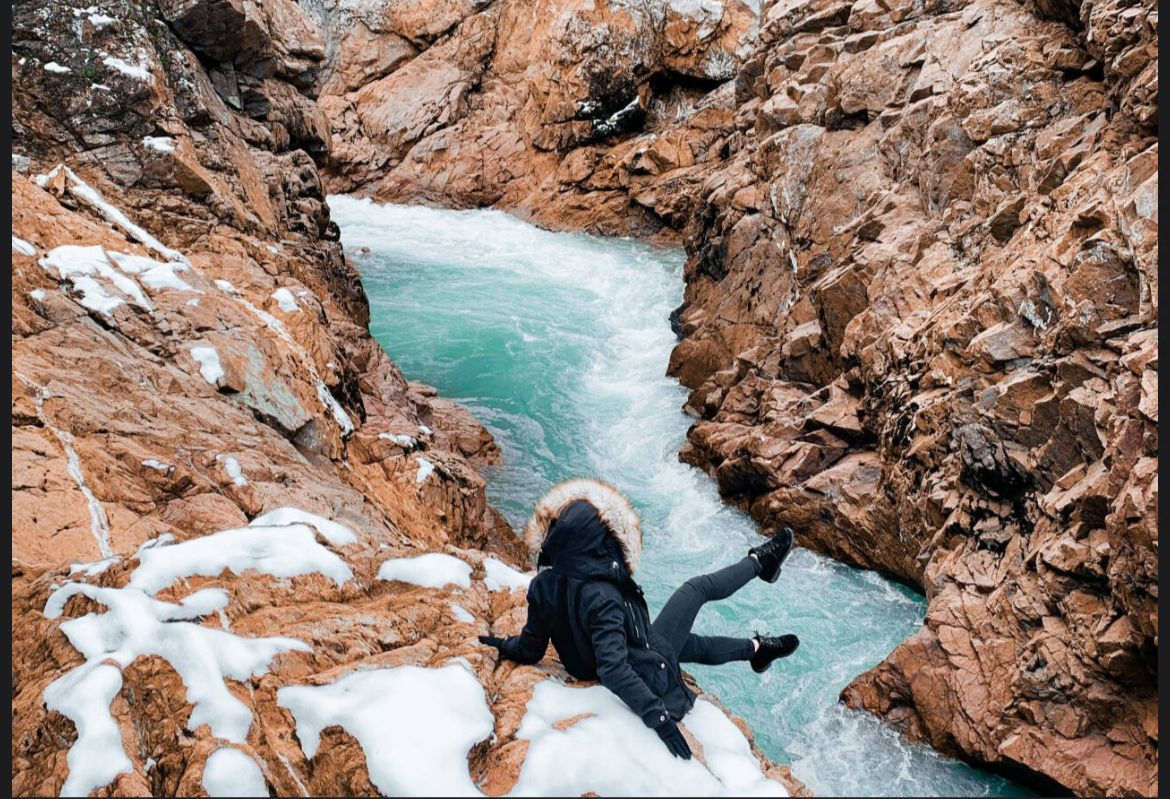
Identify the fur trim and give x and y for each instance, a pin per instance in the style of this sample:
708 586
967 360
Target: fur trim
615 511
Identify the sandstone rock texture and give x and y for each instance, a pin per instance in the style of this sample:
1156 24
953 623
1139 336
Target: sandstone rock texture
212 458
920 322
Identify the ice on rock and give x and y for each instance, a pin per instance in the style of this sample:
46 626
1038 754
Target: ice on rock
415 725
230 772
209 365
432 570
499 576
611 752
285 300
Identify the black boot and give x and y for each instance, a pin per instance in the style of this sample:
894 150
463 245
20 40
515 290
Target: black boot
771 554
772 647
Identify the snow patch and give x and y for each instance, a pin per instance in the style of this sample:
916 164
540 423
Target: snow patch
135 71
426 431
155 274
613 753
209 365
95 568
100 21
233 469
135 625
82 266
285 300
21 246
415 725
92 197
162 144
38 295
425 470
432 570
53 66
335 533
230 772
461 613
404 441
157 465
282 550
499 576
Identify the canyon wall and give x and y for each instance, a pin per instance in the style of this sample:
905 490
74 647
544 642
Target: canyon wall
213 461
920 322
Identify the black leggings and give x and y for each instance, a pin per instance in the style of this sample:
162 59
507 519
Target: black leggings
678 616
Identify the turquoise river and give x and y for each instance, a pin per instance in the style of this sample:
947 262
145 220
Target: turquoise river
558 343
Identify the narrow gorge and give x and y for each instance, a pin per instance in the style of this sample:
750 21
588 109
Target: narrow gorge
896 262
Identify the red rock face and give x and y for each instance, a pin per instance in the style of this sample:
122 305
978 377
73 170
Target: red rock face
921 311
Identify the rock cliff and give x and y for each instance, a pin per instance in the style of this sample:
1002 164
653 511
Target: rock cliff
921 311
230 510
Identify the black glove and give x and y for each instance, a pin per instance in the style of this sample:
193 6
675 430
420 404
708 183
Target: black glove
672 736
491 640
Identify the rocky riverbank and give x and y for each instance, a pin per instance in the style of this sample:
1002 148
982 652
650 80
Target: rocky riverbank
221 484
921 311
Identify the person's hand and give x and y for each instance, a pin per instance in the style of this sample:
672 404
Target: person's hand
672 736
491 640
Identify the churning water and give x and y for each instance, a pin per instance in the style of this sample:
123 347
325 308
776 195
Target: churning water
559 343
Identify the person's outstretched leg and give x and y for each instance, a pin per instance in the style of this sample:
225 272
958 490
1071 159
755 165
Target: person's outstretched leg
677 617
715 650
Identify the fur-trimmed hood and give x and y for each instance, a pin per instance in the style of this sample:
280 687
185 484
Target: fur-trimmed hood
616 512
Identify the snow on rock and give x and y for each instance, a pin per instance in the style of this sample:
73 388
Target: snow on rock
282 550
285 300
230 772
53 66
162 144
83 696
38 294
425 470
136 71
95 568
432 570
155 274
499 576
611 752
83 266
93 198
135 625
21 246
157 465
461 613
402 440
233 469
335 533
415 725
209 365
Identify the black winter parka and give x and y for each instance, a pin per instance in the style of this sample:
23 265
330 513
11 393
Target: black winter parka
584 599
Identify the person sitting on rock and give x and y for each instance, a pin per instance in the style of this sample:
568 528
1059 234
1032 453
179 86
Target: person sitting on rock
588 541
